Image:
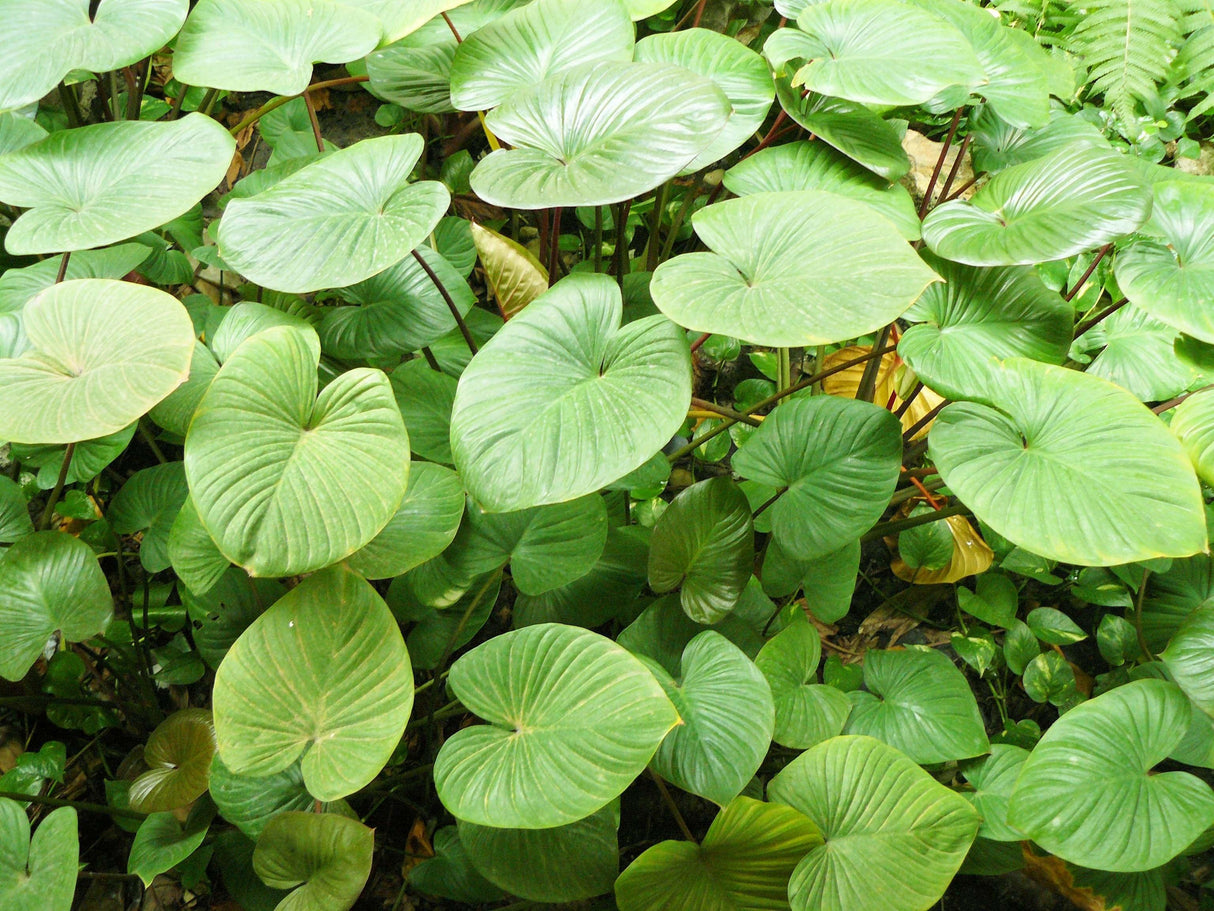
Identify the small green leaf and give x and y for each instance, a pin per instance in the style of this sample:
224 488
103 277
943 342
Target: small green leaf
1048 677
1117 640
807 712
324 858
163 841
178 756
994 778
1020 646
1053 627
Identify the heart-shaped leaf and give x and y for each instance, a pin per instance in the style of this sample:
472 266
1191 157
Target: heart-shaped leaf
574 718
512 272
178 755
267 459
339 220
555 430
323 673
38 874
149 502
785 261
323 857
164 841
807 712
994 778
193 553
18 286
1188 658
450 874
1137 351
1088 793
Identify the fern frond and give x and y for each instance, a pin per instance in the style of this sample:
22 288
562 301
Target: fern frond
1196 63
1127 46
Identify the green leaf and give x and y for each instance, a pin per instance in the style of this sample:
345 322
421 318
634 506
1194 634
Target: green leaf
269 47
1020 647
1170 273
533 43
1048 677
49 581
993 778
598 134
243 321
728 719
663 629
557 430
17 286
438 631
163 841
450 874
704 545
894 836
1088 794
323 857
782 262
250 802
744 862
1188 658
14 512
838 460
1117 640
149 502
178 756
979 314
103 353
38 874
425 397
175 411
806 711
573 720
89 458
1172 595
267 459
1137 352
193 553
562 864
920 703
1070 467
323 673
98 184
1072 200
1053 627
226 610
929 546
994 602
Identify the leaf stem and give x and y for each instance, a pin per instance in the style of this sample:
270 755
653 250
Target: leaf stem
621 241
953 171
312 119
931 184
598 238
689 198
62 273
1088 274
735 416
442 289
923 422
1084 325
71 106
275 103
868 380
670 805
1138 602
652 248
1172 403
116 812
44 521
881 529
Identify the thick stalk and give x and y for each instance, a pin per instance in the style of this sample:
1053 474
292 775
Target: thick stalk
312 119
931 184
680 216
882 529
44 521
868 380
1088 273
446 295
1084 325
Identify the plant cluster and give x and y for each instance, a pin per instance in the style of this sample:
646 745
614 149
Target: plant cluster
622 470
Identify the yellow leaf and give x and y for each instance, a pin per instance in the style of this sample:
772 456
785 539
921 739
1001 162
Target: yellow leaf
846 382
512 272
971 556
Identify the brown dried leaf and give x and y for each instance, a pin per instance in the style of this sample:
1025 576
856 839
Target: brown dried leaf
417 847
1053 873
923 154
845 383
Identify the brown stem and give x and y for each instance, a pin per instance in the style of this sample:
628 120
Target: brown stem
459 319
554 246
965 186
1088 274
931 184
431 359
454 30
868 380
952 173
923 422
909 400
621 241
320 143
62 273
735 416
1172 403
699 343
1084 325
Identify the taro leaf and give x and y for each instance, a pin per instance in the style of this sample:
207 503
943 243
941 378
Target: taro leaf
998 145
328 857
37 874
740 73
337 221
1053 627
193 553
149 502
785 261
875 51
425 397
424 524
323 673
178 755
558 428
980 314
562 864
1137 352
49 581
270 45
728 718
744 862
531 44
17 286
14 512
704 545
1188 658
44 40
513 273
837 460
234 857
806 711
250 803
598 134
816 166
574 718
1088 793
450 874
163 841
176 410
993 778
286 482
98 184
1193 426
1171 275
1070 467
920 703
894 836
1070 201
402 310
103 353
828 581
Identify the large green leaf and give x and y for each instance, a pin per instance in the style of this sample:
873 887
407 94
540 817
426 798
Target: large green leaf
564 425
1193 424
270 45
44 40
323 857
1070 467
574 718
728 718
743 864
425 397
1088 793
783 263
918 702
894 835
286 482
1070 201
530 44
339 220
178 755
1173 595
979 314
875 51
400 19
1170 273
807 712
149 502
1137 351
704 546
837 461
103 353
323 673
562 864
103 183
14 512
598 134
17 286
38 874
250 802
1188 658
49 581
